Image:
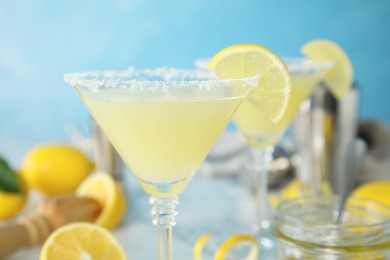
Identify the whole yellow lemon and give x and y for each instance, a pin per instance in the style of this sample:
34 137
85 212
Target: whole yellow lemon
55 169
13 203
378 191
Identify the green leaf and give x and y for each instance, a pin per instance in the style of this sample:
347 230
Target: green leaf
8 178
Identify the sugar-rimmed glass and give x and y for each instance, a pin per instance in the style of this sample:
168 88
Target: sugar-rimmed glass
162 122
262 134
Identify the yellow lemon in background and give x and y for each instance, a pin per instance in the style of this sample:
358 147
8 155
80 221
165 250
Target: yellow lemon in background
13 203
378 191
298 188
82 241
13 191
291 190
104 189
55 169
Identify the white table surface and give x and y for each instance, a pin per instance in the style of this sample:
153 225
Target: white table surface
219 206
222 206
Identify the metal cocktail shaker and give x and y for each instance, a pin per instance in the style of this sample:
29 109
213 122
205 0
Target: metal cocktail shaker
322 131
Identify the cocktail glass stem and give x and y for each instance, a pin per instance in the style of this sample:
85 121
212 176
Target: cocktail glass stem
164 212
262 161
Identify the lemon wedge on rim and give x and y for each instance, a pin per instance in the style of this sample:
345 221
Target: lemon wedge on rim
339 78
224 249
81 241
272 94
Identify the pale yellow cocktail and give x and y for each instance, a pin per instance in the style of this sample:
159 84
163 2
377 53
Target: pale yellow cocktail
164 141
162 122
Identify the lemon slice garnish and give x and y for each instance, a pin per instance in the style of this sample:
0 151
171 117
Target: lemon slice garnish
339 78
82 241
272 94
223 250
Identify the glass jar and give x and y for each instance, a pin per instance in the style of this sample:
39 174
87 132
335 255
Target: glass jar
306 228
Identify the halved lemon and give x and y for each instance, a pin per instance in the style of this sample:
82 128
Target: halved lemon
103 188
272 94
339 78
81 241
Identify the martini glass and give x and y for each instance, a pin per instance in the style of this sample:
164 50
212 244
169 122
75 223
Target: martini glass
262 134
162 122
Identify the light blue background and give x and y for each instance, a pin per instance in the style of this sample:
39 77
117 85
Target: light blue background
40 40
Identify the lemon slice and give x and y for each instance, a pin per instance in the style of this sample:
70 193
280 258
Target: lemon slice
272 94
223 250
340 77
103 188
81 241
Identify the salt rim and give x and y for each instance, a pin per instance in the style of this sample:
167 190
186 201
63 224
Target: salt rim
305 65
167 77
